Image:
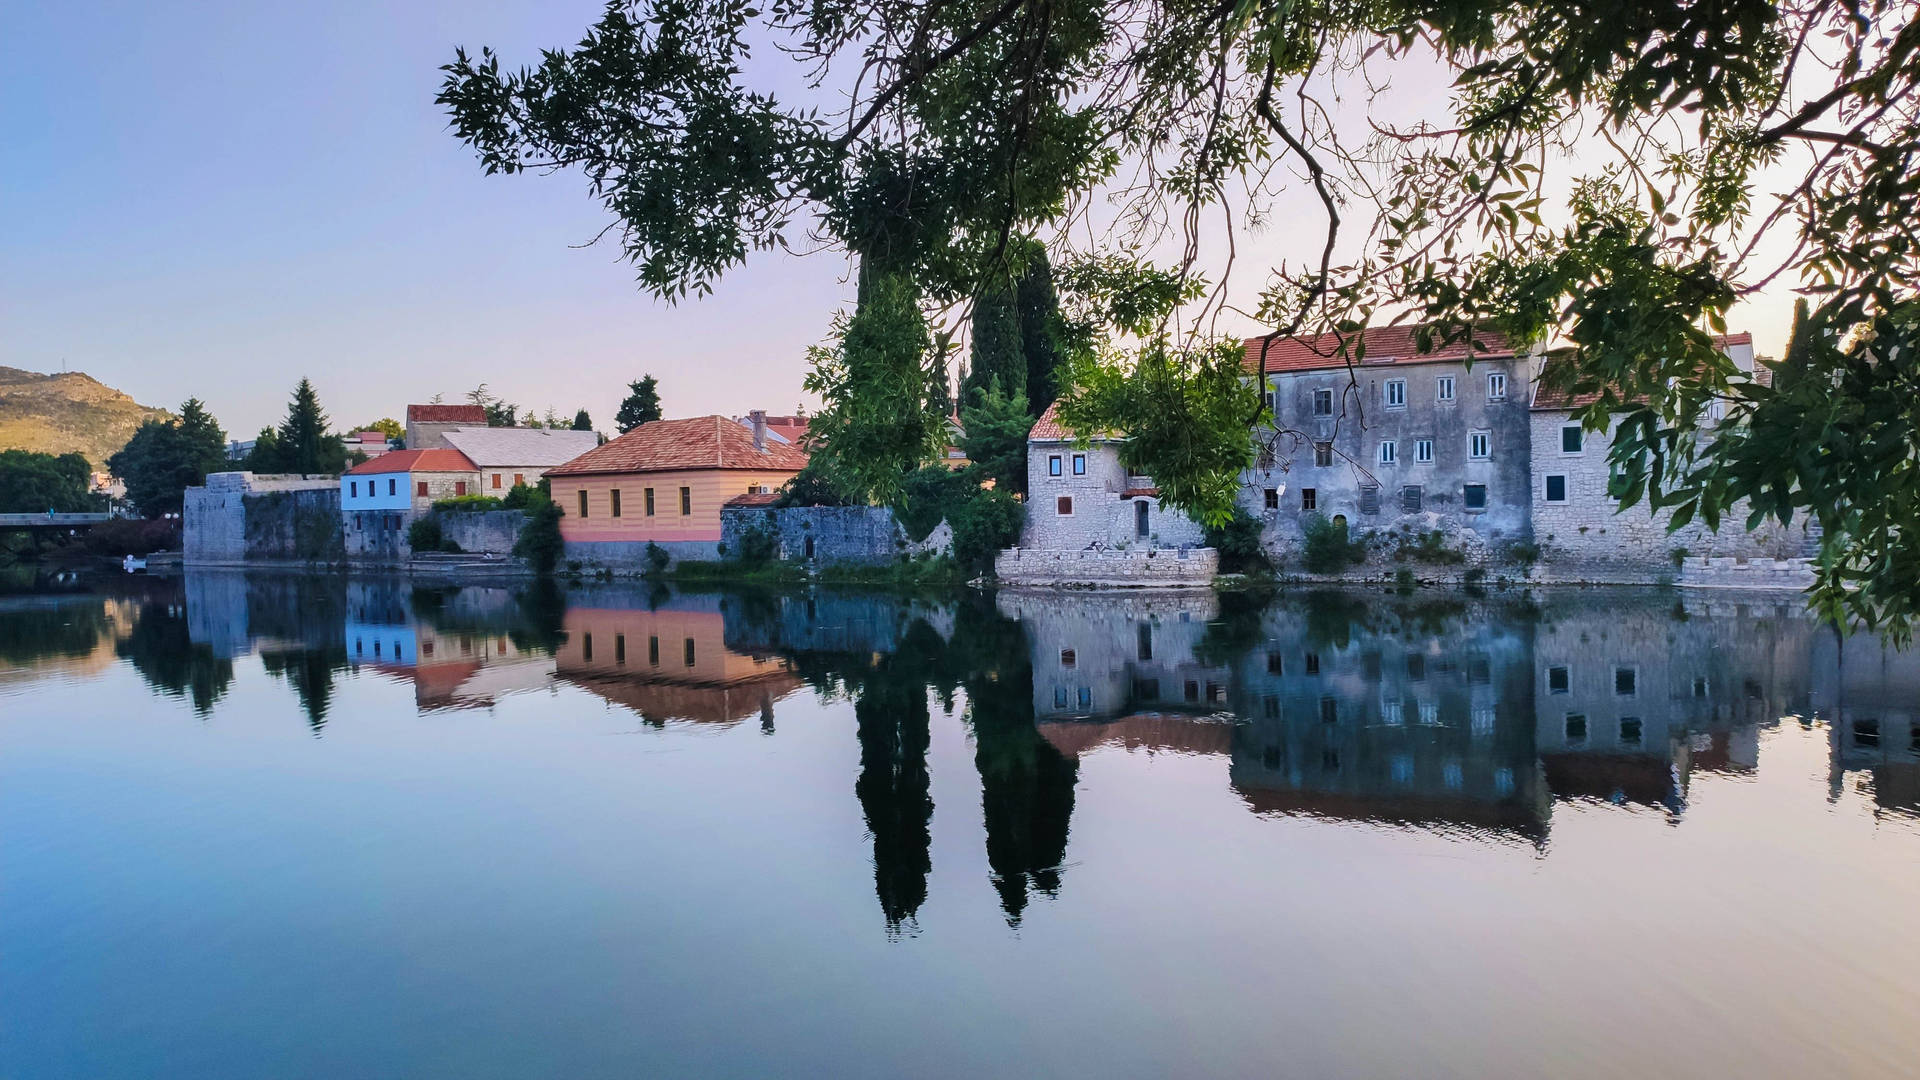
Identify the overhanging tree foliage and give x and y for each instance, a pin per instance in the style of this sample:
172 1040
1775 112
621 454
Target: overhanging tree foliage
930 135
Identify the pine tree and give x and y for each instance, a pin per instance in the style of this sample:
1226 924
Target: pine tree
996 437
305 446
582 422
204 443
642 404
265 457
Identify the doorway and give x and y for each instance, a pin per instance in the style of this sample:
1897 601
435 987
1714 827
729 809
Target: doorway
1140 519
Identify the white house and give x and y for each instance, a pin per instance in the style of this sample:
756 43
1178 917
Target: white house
380 498
1080 497
508 456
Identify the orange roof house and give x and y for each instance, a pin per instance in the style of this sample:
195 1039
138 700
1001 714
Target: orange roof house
1385 345
665 481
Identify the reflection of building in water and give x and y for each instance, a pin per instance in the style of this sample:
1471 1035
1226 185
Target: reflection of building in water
455 646
1369 715
1869 696
1106 655
670 663
1634 691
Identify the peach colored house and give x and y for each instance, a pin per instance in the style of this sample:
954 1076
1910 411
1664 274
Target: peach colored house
664 483
671 663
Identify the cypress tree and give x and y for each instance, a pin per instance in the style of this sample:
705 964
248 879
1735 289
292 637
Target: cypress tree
1039 307
996 345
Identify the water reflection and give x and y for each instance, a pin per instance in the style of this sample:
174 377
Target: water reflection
1472 717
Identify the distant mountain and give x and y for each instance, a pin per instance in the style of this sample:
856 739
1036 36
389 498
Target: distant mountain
59 414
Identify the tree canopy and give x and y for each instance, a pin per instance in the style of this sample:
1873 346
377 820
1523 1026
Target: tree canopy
34 483
166 457
641 406
1600 182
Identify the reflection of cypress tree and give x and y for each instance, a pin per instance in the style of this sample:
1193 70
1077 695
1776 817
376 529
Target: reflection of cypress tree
310 672
161 650
891 713
1026 785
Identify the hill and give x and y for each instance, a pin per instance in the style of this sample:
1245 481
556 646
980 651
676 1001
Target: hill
57 414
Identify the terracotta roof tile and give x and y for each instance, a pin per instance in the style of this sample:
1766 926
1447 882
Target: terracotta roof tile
1385 345
438 459
1049 428
700 442
1551 398
446 414
754 498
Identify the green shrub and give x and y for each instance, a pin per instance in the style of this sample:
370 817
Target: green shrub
983 526
539 542
1404 580
657 559
1679 557
1431 547
1523 553
1238 542
1328 549
757 546
519 497
467 504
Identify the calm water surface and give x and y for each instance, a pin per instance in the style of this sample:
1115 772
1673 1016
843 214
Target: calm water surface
290 827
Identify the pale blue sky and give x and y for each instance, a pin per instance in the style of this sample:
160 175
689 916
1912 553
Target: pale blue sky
217 198
214 199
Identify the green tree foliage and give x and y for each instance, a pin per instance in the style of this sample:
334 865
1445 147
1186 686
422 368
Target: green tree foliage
33 483
539 542
1039 307
265 456
582 422
1700 129
641 406
996 437
1327 549
1238 542
812 486
500 413
388 426
166 457
995 344
204 442
302 444
877 424
984 526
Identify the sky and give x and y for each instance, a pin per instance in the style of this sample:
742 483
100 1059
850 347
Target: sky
216 199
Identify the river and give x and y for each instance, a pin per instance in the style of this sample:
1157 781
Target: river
279 826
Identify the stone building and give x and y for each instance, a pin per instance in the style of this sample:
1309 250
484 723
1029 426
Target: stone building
1080 497
381 498
236 517
427 425
509 456
1113 656
1869 695
1580 528
1434 441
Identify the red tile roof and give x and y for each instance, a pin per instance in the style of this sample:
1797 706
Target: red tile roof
446 414
1049 428
436 460
753 498
701 442
1385 344
1549 398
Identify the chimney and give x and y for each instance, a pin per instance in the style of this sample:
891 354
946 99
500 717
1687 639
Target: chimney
759 417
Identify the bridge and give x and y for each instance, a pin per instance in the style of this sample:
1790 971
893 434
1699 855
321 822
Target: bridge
52 521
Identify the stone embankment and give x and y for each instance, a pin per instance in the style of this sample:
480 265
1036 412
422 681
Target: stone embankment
1143 568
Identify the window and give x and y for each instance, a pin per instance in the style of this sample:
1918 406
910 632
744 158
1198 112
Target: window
615 493
1273 498
620 648
1480 445
1313 663
1630 731
1396 393
1625 681
1086 698
1699 688
1576 728
1143 640
586 646
1267 399
649 500
519 479
687 649
1323 455
1370 499
496 480
1276 664
583 502
653 650
1079 464
1410 499
1063 506
391 487
1389 452
1059 697
1329 711
459 487
1192 689
1053 464
1309 499
1474 496
1067 658
1559 680
1323 403
1496 386
1423 451
1572 439
1416 667
686 502
1443 388
353 488
1866 733
1556 489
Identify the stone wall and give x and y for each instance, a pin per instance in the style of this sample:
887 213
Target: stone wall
1588 538
1138 567
493 531
1101 509
240 516
825 535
